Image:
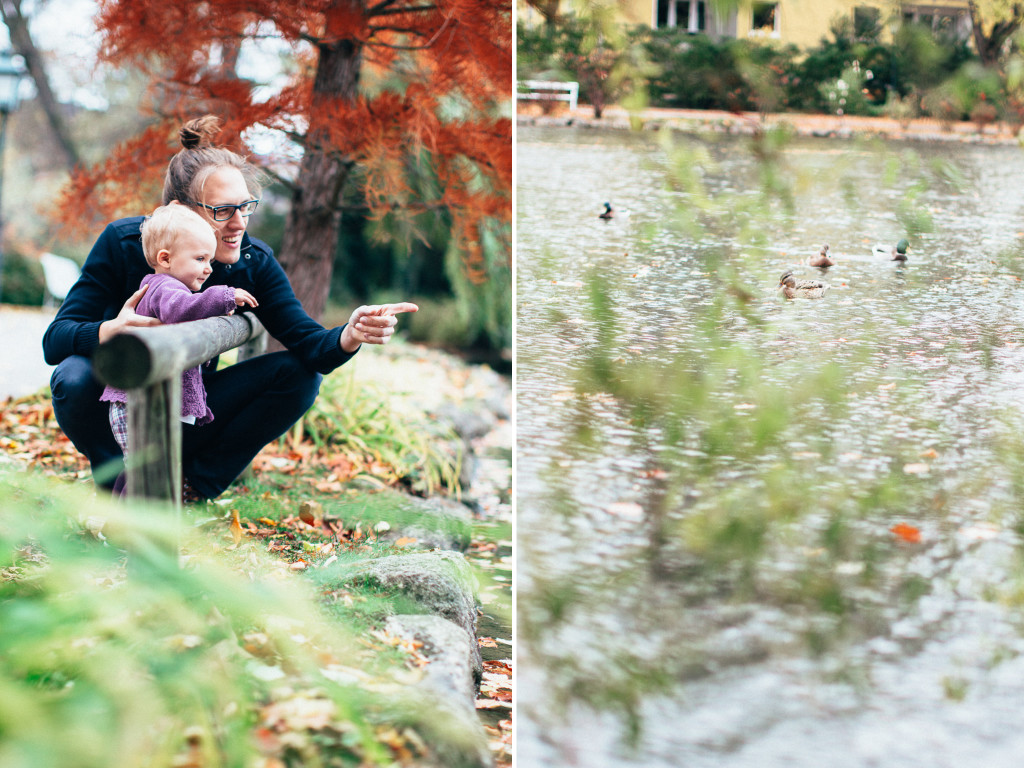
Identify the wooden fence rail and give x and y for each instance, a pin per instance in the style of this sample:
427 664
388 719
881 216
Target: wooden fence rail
147 363
548 90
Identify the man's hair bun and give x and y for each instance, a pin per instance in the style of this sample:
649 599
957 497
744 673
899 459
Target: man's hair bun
199 132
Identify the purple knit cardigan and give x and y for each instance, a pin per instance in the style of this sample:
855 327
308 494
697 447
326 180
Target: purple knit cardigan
170 301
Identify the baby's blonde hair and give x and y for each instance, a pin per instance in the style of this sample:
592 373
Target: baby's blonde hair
162 226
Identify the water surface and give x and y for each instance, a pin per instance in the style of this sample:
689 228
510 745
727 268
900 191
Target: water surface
758 532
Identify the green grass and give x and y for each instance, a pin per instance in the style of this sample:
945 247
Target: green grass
116 656
356 419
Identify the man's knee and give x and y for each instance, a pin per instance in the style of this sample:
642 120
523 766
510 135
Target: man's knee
73 381
301 383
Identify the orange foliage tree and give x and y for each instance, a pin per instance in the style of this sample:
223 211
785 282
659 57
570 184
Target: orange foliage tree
379 95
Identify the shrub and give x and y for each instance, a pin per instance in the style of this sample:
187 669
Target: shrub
943 103
902 108
696 72
22 280
539 50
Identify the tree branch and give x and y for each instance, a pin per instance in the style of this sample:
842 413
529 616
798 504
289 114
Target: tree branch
399 30
284 181
428 44
410 9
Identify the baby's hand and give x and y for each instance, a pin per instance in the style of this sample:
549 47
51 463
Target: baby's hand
243 297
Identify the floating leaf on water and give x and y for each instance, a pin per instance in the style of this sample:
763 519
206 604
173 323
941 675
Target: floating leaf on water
979 532
931 453
916 468
626 509
850 568
907 532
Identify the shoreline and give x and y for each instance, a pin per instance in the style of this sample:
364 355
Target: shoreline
746 123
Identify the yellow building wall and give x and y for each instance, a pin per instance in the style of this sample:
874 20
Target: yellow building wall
801 22
805 22
638 11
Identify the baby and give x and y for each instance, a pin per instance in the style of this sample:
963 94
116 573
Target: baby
179 244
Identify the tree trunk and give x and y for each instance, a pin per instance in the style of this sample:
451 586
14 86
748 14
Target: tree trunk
990 46
21 39
548 9
313 224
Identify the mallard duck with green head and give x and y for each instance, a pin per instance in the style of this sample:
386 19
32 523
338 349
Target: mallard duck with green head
801 289
893 253
607 213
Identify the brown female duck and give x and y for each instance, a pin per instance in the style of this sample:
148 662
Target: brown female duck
801 289
822 259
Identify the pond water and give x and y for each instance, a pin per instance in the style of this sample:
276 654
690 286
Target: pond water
760 532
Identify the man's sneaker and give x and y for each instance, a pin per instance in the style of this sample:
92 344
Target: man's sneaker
190 495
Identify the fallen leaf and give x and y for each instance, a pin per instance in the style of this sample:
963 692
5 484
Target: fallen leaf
236 528
310 512
490 704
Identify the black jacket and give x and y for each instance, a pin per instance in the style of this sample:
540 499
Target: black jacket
116 266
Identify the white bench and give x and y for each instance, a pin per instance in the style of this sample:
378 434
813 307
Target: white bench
59 274
548 90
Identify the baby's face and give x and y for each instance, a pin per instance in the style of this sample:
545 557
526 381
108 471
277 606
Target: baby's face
191 257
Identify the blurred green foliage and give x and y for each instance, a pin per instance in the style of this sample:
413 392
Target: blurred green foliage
115 654
22 280
358 419
684 70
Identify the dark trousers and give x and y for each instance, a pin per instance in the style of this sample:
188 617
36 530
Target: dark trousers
253 403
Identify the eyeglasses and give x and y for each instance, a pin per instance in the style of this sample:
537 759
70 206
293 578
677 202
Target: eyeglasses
225 212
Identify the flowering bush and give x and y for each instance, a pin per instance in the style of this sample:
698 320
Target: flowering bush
847 95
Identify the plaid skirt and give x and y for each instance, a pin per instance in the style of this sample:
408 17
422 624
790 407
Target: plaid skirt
119 424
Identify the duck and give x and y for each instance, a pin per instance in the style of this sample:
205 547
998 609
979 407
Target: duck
607 213
822 259
893 253
801 289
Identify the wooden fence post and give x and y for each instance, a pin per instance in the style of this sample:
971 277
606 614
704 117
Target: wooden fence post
147 363
153 463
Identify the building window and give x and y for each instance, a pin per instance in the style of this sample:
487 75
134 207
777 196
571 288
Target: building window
946 22
765 19
867 23
690 15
